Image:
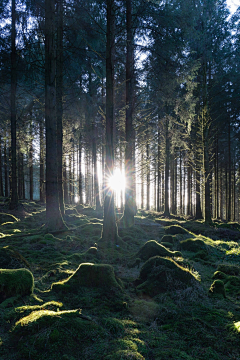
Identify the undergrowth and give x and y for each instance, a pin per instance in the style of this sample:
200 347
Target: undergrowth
114 306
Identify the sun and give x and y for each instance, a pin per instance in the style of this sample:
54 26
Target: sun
117 181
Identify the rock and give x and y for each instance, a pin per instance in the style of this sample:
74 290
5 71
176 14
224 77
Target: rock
217 288
153 248
15 282
159 274
175 229
193 245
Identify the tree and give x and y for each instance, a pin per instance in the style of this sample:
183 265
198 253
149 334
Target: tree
53 214
14 195
109 233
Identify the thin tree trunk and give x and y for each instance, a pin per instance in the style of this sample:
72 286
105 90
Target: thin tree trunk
110 232
30 161
42 186
59 103
1 178
53 213
130 206
166 204
14 195
80 184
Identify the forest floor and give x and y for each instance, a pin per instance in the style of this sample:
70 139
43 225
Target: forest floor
130 314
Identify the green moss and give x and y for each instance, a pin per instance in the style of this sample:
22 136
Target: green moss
217 288
232 285
167 239
58 334
160 274
167 245
220 276
125 355
15 282
91 275
175 229
229 269
153 248
193 245
11 258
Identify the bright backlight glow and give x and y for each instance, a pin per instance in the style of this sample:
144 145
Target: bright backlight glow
117 181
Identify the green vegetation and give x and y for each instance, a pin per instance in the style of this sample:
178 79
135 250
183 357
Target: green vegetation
145 302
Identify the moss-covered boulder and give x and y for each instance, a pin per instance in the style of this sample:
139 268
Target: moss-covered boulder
10 258
90 275
220 276
167 239
153 248
15 282
232 285
229 269
167 245
159 274
175 230
193 245
217 288
58 335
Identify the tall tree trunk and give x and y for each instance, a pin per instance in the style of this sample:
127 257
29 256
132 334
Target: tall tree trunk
229 217
96 183
53 213
1 178
142 180
166 190
180 182
110 232
42 186
14 195
130 205
80 184
148 177
59 102
158 168
30 160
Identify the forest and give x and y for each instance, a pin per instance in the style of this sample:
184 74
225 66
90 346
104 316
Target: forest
119 179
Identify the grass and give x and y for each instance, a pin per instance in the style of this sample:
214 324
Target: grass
84 320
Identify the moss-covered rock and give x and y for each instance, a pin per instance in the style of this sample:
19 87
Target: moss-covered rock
153 248
167 239
125 355
159 274
90 275
193 245
15 282
175 229
217 288
229 269
220 276
232 285
58 335
10 258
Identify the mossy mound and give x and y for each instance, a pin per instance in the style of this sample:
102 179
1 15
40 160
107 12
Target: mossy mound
229 269
167 245
159 275
58 334
10 258
220 276
217 288
90 275
15 282
4 217
153 248
175 230
125 355
167 239
193 245
232 285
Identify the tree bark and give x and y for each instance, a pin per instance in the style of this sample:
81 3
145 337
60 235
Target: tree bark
53 214
166 190
130 205
14 195
109 233
59 100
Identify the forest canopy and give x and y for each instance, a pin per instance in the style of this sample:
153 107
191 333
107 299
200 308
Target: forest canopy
129 104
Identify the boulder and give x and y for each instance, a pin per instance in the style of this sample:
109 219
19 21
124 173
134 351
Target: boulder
153 248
